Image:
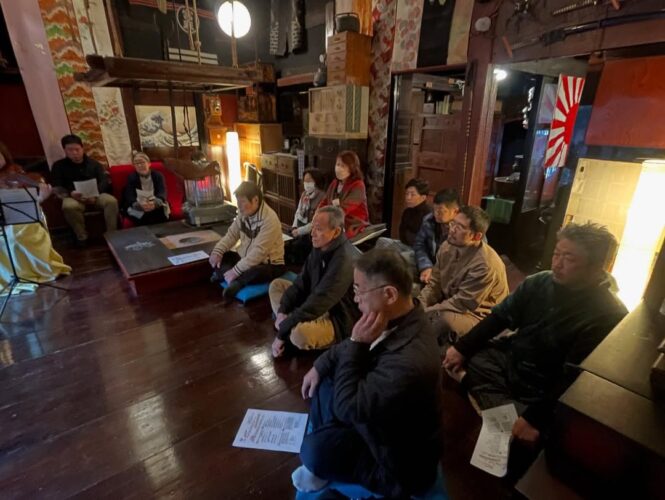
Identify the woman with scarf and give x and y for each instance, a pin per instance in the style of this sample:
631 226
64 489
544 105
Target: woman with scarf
347 191
297 249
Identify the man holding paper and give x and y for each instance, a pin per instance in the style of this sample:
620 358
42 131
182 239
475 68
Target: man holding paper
82 182
558 316
144 197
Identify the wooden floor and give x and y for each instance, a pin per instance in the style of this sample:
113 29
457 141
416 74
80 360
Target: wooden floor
107 396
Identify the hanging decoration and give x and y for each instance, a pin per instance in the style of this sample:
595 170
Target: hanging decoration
64 41
569 94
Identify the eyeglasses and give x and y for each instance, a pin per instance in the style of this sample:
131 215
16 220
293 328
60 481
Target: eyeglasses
364 292
457 225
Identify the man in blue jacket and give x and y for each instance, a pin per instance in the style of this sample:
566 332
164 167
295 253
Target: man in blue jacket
434 231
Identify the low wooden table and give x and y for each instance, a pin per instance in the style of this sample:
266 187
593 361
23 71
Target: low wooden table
143 258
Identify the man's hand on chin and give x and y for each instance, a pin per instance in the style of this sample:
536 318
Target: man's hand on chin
369 327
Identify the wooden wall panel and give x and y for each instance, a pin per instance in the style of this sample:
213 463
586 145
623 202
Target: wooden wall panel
628 107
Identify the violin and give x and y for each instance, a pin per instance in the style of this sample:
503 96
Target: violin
14 177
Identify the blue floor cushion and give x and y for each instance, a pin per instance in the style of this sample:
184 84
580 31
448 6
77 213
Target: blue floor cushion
436 492
257 290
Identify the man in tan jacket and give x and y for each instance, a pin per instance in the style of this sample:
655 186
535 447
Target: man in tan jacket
260 256
468 279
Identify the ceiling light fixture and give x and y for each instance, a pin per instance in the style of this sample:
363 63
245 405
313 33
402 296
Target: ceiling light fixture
500 74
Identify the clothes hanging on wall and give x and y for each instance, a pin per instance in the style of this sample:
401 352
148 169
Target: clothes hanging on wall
287 26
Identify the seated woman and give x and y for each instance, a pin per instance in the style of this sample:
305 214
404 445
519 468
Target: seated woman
144 198
297 249
347 191
30 244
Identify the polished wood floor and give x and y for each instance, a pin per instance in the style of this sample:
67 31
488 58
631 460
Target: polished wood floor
107 396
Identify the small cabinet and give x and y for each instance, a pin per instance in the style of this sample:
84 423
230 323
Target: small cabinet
349 59
280 184
258 138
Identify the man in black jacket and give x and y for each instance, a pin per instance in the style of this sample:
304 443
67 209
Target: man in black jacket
317 309
375 412
560 317
77 167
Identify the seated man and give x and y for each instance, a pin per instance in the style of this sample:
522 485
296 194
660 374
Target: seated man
260 256
318 308
144 210
415 199
375 412
560 317
76 167
468 279
434 231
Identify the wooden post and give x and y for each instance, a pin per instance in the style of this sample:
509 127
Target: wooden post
478 109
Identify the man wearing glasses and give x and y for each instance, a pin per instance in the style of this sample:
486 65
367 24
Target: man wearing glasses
468 279
375 410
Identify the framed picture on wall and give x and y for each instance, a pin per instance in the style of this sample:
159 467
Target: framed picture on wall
156 128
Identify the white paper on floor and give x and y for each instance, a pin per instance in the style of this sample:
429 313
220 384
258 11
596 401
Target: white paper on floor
271 430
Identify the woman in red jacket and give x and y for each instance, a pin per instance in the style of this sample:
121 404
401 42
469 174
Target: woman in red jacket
347 191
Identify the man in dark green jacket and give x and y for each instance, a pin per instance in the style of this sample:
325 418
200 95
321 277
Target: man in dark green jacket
317 310
560 316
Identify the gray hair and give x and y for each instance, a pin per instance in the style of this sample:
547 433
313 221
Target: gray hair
599 244
335 216
139 154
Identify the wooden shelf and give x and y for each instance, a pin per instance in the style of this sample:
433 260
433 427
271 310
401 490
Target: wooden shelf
299 79
132 72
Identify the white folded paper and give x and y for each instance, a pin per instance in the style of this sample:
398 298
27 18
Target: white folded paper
88 189
493 445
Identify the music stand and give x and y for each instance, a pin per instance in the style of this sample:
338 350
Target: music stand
22 207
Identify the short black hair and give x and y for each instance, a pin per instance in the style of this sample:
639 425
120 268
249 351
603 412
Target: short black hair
248 190
317 175
479 221
389 266
447 197
421 185
71 139
599 244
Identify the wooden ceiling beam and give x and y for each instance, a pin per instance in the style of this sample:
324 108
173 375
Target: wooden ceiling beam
128 71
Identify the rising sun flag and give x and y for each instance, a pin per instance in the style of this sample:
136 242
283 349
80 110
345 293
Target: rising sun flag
568 98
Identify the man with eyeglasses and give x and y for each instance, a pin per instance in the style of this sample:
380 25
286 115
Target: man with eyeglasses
375 411
468 279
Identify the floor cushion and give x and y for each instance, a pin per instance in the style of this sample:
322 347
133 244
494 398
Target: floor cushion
257 290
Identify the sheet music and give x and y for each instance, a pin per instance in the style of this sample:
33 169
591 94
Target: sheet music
271 430
143 196
493 445
19 206
88 189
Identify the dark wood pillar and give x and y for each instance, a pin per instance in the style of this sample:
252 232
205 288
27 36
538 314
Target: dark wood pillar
478 108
